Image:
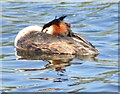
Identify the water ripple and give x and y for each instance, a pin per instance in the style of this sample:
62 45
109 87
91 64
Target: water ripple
96 21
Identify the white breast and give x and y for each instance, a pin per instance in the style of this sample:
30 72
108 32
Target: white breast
27 30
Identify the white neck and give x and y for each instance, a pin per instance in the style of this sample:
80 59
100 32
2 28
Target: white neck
27 30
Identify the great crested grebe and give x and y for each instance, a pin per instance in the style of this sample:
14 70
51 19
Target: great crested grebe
55 37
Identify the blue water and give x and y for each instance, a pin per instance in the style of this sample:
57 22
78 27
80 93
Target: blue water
96 21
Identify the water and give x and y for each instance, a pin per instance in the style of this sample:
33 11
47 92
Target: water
96 21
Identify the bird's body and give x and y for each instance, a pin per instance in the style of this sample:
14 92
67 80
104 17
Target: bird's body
55 37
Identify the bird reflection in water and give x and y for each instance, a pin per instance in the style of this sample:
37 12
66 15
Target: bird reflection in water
57 65
56 62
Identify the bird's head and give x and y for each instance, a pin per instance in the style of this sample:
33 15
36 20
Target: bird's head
57 27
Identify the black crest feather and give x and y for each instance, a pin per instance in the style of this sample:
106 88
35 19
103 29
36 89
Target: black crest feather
55 21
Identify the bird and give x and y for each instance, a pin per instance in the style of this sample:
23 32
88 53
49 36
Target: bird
54 37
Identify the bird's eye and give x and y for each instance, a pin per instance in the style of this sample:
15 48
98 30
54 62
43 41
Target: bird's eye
46 30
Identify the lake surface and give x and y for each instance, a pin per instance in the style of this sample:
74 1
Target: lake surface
96 21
